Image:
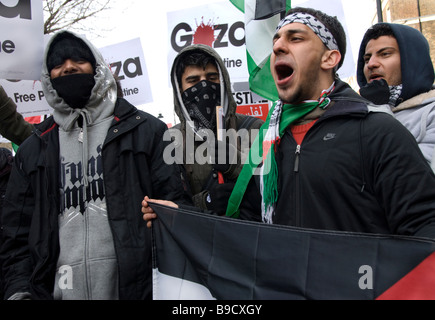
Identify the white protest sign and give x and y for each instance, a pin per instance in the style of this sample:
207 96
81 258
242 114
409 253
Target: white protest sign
21 39
127 63
28 97
219 25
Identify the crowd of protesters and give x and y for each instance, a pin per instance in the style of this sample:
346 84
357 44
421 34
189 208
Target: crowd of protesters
327 157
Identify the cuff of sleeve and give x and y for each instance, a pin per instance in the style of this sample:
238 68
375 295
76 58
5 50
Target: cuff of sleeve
21 296
199 200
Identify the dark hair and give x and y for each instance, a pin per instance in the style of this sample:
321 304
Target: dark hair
193 58
333 25
376 31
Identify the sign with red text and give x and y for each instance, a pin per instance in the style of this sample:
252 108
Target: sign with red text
258 110
218 25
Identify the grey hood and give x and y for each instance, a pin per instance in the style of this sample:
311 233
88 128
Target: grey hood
100 105
227 99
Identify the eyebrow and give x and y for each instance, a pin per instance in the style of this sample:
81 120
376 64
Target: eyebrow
191 77
195 76
212 74
289 32
379 51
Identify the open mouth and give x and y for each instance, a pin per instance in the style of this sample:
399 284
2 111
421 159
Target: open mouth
283 71
375 77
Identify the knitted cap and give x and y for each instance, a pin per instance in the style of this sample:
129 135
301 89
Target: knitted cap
67 46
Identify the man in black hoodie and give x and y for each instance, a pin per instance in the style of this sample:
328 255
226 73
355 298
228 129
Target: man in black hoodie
395 68
200 83
329 159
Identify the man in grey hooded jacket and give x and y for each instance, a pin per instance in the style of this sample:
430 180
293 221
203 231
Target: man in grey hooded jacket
72 223
200 82
395 68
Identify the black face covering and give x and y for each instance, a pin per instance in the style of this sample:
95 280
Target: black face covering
75 89
201 101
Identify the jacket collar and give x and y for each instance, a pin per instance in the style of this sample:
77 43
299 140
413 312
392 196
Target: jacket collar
126 117
123 111
345 101
416 101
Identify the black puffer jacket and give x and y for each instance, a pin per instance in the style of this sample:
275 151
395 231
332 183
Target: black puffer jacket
355 171
133 167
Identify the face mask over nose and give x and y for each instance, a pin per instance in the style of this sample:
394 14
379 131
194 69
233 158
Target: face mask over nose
201 101
75 89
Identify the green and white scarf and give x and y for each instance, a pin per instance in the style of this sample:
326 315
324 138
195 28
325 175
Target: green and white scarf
278 119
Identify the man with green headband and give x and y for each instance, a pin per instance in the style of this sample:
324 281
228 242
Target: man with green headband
326 158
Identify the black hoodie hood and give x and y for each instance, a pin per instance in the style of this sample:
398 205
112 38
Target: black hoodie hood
416 64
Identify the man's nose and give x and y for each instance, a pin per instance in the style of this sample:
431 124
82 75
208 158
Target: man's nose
372 63
279 47
69 67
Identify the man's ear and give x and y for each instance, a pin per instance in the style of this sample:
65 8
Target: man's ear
330 59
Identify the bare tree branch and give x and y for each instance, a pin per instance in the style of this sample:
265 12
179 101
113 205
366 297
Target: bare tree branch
70 14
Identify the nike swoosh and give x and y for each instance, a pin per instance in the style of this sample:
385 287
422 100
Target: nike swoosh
329 136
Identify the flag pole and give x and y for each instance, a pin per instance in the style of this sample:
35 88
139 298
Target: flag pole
220 118
379 10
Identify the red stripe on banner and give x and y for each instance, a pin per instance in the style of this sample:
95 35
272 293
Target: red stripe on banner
34 120
419 284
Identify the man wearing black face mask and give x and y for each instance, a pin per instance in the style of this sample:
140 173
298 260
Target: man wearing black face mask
71 65
201 82
72 222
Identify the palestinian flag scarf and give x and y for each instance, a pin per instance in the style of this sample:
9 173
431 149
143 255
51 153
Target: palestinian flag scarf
261 158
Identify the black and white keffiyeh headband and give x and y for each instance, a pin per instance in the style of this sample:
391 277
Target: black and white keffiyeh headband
314 24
